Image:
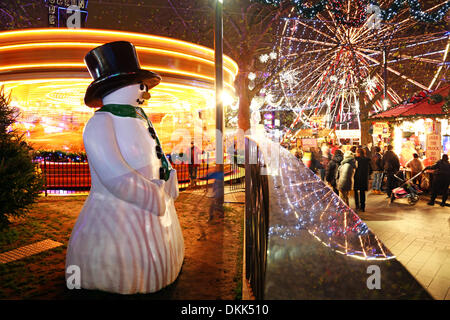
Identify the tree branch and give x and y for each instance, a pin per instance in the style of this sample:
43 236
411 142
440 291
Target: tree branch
178 15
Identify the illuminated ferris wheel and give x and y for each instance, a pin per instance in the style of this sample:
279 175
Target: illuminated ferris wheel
330 68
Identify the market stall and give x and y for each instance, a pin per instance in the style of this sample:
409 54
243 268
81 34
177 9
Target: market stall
417 126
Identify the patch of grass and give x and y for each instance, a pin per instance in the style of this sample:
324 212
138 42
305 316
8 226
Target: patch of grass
42 275
227 208
239 266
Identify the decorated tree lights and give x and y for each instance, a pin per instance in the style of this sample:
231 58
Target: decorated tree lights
391 9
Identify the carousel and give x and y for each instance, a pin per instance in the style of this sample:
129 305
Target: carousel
44 73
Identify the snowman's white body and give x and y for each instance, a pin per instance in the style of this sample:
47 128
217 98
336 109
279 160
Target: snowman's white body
127 238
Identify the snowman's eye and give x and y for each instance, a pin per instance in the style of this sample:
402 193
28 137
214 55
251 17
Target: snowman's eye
142 86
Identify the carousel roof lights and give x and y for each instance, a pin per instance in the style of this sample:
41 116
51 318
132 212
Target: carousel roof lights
82 65
103 34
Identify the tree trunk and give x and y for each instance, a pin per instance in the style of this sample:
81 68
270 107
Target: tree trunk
365 108
366 137
244 101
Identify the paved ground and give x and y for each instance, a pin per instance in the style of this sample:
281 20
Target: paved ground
418 235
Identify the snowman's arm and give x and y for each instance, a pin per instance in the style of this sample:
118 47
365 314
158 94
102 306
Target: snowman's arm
115 174
171 185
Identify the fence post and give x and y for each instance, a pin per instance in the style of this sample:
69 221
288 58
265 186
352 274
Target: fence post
45 176
207 171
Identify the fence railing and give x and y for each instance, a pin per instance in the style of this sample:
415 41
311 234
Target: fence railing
256 219
74 177
237 177
64 177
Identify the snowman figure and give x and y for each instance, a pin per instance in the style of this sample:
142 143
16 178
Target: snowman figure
127 238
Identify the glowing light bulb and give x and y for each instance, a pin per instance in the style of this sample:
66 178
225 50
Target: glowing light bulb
263 58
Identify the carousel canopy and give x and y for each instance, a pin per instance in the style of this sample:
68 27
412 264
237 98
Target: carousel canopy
429 106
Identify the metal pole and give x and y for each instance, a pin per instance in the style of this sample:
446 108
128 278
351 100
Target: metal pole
385 72
218 55
45 176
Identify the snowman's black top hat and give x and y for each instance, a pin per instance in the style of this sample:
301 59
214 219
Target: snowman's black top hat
113 66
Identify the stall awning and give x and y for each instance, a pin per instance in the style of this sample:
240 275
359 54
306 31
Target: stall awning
424 108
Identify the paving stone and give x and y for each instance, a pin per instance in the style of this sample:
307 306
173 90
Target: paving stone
415 264
447 297
444 272
28 250
438 289
430 268
422 256
424 280
413 271
412 250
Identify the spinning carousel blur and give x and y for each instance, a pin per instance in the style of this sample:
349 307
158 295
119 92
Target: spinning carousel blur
44 71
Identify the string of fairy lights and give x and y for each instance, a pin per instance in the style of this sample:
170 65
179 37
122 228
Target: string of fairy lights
310 11
326 63
301 201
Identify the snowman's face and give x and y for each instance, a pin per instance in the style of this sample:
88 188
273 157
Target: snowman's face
143 93
134 95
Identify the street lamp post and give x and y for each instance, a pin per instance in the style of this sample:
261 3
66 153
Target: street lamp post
385 72
218 55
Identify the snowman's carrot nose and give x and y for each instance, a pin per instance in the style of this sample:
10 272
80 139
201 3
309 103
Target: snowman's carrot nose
146 95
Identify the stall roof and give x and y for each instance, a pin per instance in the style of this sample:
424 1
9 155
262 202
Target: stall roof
421 108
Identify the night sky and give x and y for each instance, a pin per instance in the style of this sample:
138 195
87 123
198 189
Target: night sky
150 16
193 20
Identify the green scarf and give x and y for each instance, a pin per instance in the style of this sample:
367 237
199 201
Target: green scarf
126 110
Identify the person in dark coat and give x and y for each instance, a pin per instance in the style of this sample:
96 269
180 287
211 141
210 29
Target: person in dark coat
367 152
332 167
361 179
441 179
391 164
315 160
344 179
193 159
377 168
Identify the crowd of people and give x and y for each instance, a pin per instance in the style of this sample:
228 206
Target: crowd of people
347 170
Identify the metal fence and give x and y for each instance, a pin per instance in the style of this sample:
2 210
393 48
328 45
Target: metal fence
64 177
256 219
74 177
200 174
236 177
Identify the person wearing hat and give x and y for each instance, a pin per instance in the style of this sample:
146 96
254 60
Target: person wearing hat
127 238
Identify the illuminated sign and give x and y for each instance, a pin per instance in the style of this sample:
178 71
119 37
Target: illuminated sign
66 13
348 134
433 147
381 128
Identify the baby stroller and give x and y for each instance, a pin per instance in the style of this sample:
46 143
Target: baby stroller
407 188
